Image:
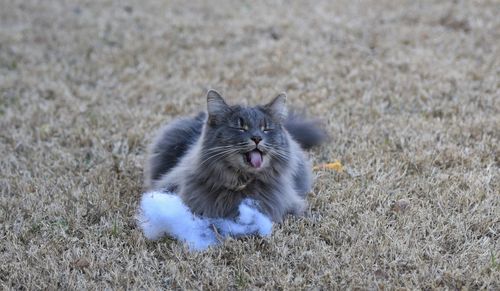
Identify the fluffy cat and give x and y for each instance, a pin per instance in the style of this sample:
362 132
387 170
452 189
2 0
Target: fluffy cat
218 158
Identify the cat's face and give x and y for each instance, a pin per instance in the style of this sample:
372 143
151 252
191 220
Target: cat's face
249 139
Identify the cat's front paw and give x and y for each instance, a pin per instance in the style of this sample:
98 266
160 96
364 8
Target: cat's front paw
250 221
251 216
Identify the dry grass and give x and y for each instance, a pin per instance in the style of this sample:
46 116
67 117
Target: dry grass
409 89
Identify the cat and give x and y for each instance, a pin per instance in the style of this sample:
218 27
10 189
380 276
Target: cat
220 157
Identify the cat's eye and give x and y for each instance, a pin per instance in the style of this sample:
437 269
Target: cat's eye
265 128
240 128
241 125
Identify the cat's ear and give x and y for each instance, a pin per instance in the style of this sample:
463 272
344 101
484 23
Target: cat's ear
216 105
277 107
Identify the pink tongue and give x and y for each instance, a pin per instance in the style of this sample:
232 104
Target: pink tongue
255 159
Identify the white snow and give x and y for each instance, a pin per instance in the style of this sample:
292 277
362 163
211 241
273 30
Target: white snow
164 213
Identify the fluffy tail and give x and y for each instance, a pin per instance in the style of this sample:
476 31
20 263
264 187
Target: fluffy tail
308 133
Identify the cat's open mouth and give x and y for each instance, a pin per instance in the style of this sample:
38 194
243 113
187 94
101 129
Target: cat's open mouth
254 158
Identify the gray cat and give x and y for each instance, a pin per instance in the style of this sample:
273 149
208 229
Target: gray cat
215 160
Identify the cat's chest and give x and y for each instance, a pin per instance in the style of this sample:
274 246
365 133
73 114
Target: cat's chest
255 189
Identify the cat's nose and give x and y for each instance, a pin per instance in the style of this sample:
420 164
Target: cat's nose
256 139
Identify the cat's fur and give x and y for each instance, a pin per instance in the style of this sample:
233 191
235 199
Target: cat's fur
212 161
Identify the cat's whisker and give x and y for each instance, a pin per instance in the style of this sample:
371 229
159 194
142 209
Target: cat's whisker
209 162
282 152
218 152
219 155
218 148
277 157
211 157
225 147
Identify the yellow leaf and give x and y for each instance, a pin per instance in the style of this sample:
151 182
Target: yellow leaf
337 166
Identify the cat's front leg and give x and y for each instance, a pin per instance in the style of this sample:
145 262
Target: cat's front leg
168 182
250 220
295 203
298 208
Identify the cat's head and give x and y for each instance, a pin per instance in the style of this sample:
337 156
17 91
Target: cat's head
248 139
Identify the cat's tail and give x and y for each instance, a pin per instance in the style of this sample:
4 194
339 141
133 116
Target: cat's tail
307 132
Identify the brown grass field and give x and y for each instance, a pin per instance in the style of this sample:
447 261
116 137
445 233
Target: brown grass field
409 92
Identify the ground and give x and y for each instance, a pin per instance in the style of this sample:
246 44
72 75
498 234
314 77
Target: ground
408 91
